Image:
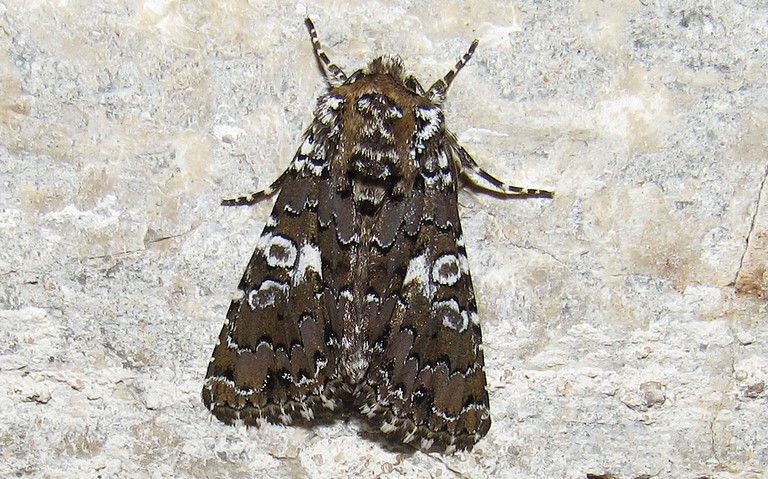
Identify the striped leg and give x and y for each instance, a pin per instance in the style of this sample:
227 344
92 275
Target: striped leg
479 178
257 196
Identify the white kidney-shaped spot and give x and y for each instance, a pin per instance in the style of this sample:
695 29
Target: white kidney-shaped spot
269 293
280 252
451 315
418 275
446 270
309 259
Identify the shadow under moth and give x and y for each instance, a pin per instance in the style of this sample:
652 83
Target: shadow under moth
358 293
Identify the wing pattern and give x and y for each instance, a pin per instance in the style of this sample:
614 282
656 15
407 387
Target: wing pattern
359 292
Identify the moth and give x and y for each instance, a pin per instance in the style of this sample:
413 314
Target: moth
358 294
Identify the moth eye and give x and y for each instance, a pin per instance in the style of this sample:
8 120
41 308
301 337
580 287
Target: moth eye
413 85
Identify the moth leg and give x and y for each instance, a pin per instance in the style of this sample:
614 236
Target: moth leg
333 74
479 178
257 196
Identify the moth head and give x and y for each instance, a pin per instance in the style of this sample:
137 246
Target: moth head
391 65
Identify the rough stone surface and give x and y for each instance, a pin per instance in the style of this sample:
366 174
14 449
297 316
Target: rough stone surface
625 321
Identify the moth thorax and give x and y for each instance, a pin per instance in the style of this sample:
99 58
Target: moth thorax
379 165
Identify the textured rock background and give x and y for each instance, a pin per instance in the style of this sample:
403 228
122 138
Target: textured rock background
625 321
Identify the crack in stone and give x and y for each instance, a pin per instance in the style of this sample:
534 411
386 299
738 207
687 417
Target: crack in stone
751 226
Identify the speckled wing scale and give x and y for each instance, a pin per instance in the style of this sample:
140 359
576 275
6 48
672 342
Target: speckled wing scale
358 292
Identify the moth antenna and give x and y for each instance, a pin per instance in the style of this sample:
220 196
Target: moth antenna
448 78
332 73
436 92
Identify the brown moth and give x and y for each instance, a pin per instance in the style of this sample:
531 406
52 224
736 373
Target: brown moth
358 293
